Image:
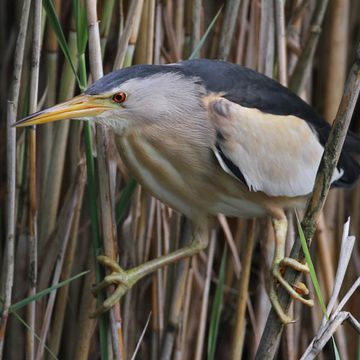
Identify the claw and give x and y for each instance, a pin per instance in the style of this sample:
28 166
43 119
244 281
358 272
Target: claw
295 292
277 275
301 288
123 280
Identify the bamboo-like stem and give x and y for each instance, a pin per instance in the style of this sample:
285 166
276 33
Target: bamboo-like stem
281 40
85 324
106 16
240 46
228 28
12 106
181 351
33 210
62 298
307 55
170 35
240 324
55 170
102 143
54 176
145 41
266 47
335 61
205 299
130 29
196 16
46 131
274 327
178 295
66 219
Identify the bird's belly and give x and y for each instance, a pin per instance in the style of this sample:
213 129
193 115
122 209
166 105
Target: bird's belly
158 175
180 181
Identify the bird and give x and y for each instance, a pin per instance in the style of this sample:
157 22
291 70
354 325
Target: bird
207 137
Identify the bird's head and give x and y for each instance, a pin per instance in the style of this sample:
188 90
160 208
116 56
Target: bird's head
129 97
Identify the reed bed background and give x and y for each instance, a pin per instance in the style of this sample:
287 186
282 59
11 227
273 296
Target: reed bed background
66 196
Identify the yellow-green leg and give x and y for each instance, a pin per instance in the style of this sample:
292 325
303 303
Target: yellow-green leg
280 261
125 279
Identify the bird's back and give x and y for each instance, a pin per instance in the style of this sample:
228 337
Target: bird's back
251 89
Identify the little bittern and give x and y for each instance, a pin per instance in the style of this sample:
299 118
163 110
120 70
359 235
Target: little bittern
209 137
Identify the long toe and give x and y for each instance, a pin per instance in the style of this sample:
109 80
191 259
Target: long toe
292 292
274 299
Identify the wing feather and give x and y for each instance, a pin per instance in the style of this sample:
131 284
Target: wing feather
275 154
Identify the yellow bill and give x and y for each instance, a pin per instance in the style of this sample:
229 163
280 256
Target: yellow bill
78 107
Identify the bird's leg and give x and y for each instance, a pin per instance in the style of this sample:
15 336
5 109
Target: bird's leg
280 228
125 279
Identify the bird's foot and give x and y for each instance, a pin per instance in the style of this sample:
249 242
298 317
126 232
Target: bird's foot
123 280
296 291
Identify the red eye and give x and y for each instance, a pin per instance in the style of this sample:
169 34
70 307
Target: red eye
119 97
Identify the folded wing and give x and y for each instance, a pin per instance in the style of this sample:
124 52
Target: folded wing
275 154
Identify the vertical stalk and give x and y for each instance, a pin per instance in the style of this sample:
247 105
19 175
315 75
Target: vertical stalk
228 28
205 300
307 55
281 41
33 241
102 144
240 324
12 106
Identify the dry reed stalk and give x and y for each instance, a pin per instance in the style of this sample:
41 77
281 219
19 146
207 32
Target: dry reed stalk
231 243
179 24
157 34
45 132
252 44
105 23
240 324
51 194
12 106
85 325
66 220
159 273
196 23
265 56
145 41
102 144
332 151
228 28
240 48
298 77
281 41
170 34
205 299
57 326
180 351
128 37
33 207
180 278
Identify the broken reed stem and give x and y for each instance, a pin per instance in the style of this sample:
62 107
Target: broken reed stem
273 329
12 106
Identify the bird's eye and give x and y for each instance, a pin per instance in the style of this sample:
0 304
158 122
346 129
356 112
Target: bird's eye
119 97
